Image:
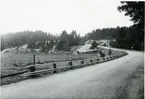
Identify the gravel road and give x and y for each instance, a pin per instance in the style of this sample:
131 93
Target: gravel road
117 79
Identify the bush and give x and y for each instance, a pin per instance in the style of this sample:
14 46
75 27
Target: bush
82 62
91 60
93 45
102 54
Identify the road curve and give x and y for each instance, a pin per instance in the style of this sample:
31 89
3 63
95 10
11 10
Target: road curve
100 81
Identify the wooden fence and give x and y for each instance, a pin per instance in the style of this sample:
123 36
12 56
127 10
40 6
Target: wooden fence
83 63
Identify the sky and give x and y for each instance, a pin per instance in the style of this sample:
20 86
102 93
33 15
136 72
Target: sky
54 16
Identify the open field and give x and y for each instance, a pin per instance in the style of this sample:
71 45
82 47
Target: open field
43 61
22 60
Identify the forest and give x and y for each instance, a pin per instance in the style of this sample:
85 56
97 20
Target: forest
43 40
125 37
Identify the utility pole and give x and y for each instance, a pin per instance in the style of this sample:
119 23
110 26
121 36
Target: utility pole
34 59
32 68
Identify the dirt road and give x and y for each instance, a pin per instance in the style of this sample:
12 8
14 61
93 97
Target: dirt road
117 79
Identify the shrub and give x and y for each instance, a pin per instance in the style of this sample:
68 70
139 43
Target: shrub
102 54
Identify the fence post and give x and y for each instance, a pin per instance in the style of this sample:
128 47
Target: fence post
31 69
91 61
54 68
98 60
82 63
70 64
34 60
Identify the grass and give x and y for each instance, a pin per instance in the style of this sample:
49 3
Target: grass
43 61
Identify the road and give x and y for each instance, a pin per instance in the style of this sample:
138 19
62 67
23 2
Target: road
117 79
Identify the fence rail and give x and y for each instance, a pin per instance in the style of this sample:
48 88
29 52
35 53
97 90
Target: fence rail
18 73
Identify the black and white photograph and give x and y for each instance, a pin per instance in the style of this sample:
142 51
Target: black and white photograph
72 49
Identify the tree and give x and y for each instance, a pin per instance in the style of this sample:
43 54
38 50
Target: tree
47 48
68 40
64 35
61 45
136 11
93 45
25 37
31 45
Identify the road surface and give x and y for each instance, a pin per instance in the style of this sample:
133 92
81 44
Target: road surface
117 79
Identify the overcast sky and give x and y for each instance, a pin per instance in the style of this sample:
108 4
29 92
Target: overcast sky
56 15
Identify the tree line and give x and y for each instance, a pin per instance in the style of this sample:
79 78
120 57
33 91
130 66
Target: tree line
41 40
24 37
125 37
